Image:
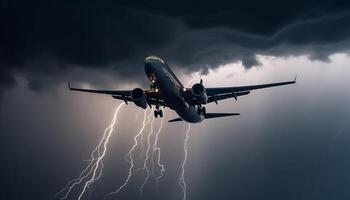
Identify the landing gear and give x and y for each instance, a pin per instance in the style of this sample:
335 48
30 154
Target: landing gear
201 110
158 112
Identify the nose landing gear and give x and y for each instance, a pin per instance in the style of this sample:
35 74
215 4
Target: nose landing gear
153 86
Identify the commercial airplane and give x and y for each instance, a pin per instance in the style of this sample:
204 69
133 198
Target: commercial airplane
167 91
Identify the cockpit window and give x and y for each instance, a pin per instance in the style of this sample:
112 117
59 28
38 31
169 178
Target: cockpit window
155 58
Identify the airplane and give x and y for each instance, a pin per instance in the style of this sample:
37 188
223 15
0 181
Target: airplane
166 90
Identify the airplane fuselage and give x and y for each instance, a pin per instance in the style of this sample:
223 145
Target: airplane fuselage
170 88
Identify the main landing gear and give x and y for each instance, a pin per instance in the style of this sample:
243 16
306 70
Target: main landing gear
201 110
158 112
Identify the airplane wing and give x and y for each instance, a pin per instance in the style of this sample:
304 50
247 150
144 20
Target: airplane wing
220 93
109 92
153 98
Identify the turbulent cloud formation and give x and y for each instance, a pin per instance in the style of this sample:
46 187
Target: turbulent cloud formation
288 143
45 41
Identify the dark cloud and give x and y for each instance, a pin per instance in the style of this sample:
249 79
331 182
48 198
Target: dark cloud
250 62
256 17
45 41
292 144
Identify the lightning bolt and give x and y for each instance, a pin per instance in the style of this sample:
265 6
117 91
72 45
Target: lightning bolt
76 181
128 157
83 175
93 171
129 154
157 149
99 159
182 180
94 163
145 166
149 120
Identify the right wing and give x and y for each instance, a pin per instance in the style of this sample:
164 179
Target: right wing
216 94
224 90
153 98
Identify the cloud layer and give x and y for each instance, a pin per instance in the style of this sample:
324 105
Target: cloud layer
47 41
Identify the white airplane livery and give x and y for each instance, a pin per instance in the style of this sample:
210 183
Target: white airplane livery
167 91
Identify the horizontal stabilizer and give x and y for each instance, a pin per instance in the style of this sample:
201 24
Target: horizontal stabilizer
216 115
208 116
175 120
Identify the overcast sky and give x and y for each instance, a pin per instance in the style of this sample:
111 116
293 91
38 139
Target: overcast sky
289 142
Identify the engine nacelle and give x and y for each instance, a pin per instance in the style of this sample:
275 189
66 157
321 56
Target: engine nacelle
139 97
198 91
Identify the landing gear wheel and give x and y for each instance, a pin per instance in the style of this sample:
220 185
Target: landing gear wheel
158 112
201 110
153 86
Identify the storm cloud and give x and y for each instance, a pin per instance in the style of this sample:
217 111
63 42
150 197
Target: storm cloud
44 41
289 142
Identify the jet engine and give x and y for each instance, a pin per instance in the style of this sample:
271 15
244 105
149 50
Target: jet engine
139 97
198 91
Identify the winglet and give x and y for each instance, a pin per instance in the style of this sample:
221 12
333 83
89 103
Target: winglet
295 78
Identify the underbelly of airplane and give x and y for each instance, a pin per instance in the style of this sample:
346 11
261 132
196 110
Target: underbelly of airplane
190 115
175 101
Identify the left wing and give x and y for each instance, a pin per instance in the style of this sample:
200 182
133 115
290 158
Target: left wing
220 93
153 98
109 92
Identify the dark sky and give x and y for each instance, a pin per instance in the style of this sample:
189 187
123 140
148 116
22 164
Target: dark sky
289 143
